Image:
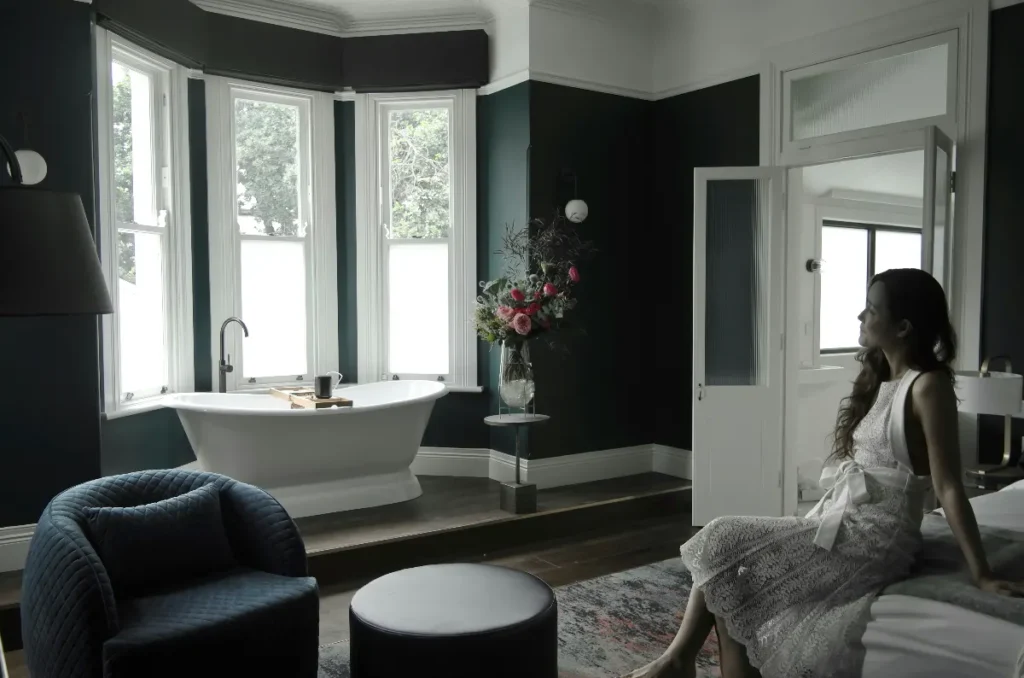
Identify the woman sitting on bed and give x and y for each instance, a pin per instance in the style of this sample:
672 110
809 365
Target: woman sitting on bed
790 596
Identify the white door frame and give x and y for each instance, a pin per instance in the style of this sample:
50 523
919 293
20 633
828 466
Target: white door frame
971 19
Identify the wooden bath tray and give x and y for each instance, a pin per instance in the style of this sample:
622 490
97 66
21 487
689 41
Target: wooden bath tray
303 398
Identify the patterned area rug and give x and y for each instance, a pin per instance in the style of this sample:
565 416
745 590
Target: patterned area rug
607 627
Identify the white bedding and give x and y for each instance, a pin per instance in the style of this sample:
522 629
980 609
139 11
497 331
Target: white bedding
914 637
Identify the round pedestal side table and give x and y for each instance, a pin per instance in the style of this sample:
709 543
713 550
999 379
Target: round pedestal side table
517 497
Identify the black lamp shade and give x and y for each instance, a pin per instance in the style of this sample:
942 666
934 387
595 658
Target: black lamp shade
48 260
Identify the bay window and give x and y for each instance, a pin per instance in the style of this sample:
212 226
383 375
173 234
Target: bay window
144 224
416 241
272 231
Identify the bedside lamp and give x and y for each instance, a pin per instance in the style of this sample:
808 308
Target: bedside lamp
48 259
998 393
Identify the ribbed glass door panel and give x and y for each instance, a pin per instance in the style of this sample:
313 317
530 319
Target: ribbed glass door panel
737 263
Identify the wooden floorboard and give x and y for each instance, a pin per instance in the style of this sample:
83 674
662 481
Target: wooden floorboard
559 562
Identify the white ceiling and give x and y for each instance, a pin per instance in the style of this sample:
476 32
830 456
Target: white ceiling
900 174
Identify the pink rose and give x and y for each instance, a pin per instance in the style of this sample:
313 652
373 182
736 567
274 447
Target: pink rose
550 290
517 294
532 309
522 324
505 313
574 275
536 295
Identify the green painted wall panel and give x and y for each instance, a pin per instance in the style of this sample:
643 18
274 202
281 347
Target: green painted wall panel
597 386
46 105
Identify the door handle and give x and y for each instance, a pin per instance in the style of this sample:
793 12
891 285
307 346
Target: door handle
700 391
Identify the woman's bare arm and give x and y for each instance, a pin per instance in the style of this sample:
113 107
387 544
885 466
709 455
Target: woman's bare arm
935 406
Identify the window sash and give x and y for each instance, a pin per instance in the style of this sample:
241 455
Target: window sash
386 308
384 151
304 172
316 177
170 207
386 205
373 247
872 231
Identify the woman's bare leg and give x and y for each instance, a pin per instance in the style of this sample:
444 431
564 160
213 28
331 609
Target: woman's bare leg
734 660
680 657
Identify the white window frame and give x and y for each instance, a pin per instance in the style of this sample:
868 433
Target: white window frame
371 243
173 202
795 150
317 209
853 207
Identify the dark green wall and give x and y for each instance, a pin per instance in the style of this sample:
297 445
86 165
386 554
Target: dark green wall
345 177
503 137
712 127
151 440
200 236
597 387
46 105
1002 322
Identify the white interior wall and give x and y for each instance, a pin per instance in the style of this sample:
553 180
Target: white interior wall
509 41
608 50
700 41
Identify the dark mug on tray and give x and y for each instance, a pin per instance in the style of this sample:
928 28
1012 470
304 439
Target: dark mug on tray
323 387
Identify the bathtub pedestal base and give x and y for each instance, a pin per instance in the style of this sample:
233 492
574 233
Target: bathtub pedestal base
332 496
518 498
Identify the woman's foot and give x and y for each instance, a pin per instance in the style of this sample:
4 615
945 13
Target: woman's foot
666 667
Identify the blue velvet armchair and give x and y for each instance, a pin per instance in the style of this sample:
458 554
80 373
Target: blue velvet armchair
143 575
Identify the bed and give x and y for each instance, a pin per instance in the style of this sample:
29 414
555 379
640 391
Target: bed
913 637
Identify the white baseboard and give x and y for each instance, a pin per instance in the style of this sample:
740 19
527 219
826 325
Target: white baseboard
571 469
672 461
452 461
14 543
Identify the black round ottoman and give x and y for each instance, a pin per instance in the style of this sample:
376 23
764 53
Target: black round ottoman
454 621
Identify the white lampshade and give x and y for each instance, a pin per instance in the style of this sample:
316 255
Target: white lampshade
997 393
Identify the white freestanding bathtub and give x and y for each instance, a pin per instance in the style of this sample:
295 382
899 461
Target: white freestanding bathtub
315 461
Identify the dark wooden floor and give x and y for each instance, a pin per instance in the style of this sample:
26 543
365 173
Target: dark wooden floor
580 532
558 562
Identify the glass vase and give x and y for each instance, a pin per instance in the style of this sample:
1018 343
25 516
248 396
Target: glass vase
515 376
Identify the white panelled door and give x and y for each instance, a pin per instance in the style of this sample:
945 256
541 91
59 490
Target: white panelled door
738 329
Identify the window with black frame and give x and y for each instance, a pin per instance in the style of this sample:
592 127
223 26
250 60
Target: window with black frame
851 254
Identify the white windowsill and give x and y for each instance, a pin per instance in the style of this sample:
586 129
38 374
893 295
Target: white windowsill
823 374
138 407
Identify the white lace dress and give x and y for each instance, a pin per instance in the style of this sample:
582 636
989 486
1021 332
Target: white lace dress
796 591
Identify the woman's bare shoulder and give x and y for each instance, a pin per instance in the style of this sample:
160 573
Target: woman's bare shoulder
933 389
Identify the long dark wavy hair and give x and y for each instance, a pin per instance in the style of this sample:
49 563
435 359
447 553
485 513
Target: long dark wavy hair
914 296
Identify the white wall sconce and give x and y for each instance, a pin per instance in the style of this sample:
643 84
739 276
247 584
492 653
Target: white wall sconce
33 167
576 210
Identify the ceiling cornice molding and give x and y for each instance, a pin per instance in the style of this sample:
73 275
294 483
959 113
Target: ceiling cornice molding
288 15
317 20
397 22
